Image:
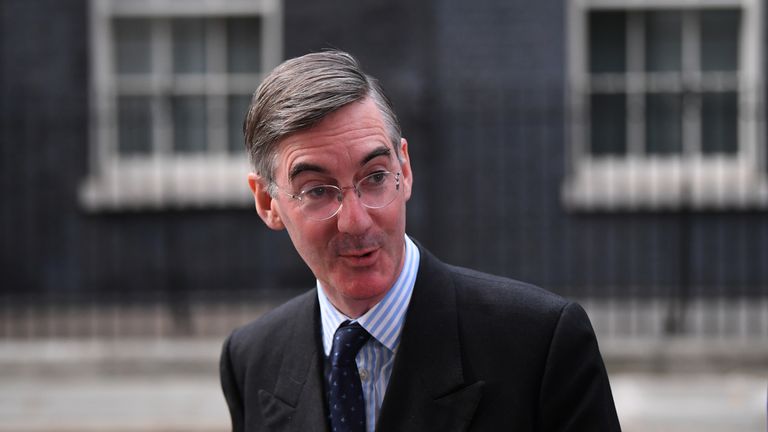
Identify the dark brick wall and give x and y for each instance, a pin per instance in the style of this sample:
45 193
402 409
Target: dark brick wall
50 246
479 87
43 82
501 142
500 44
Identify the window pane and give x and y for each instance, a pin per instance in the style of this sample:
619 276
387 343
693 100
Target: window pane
243 45
663 41
719 132
607 41
237 108
134 122
608 123
663 123
720 39
188 45
189 124
132 45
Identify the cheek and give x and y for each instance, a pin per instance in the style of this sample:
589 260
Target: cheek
311 239
397 216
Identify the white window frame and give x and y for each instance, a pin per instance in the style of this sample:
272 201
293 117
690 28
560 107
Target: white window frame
691 180
216 178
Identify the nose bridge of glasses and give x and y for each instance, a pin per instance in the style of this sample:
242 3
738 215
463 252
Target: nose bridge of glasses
340 199
354 187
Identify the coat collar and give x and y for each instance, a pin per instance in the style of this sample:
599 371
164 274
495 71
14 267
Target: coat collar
298 401
428 389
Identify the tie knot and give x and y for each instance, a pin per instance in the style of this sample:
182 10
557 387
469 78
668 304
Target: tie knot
347 341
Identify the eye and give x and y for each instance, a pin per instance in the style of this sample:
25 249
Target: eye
317 193
375 179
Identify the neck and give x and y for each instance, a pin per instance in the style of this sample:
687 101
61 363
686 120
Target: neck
353 308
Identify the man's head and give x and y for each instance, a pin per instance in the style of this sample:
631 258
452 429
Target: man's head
331 168
299 93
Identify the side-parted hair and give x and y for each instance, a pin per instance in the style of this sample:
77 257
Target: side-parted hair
298 94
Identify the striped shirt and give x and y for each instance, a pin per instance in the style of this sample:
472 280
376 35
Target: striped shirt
384 322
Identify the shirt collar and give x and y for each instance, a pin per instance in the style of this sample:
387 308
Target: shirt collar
384 321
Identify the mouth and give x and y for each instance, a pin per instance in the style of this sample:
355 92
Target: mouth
360 258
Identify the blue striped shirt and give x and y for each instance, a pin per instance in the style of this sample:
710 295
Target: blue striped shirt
384 322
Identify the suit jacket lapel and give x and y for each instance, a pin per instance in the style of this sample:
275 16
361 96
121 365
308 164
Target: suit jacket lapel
298 403
428 389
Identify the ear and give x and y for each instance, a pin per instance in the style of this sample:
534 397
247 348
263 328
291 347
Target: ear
266 206
405 166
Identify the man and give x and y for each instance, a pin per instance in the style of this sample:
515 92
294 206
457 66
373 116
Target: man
391 339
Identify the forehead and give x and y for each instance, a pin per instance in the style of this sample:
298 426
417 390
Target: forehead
342 139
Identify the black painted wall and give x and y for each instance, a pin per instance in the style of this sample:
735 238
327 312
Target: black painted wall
43 79
479 87
502 129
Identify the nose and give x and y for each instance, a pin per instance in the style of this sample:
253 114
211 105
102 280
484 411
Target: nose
353 218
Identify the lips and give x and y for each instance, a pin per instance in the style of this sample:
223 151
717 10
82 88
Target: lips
360 258
357 253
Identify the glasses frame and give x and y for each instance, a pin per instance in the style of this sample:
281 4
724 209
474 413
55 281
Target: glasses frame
299 196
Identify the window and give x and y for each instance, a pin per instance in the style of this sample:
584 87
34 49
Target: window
666 104
171 82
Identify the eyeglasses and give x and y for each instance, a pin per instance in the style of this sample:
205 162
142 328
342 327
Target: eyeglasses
375 191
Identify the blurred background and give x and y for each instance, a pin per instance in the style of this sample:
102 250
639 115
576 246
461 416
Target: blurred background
611 151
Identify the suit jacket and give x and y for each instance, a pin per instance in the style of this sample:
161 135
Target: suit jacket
477 353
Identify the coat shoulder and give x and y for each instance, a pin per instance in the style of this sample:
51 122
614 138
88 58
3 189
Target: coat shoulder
275 325
475 288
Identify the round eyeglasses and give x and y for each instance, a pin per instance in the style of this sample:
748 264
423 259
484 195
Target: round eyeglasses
375 191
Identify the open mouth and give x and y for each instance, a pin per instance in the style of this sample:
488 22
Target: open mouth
360 257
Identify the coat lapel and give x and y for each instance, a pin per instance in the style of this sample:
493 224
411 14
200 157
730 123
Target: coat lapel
297 403
428 390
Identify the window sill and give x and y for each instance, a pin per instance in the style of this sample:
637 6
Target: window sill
665 185
170 183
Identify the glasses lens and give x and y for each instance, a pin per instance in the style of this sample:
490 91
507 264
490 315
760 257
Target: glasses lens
320 202
378 189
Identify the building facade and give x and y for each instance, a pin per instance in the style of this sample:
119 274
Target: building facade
607 150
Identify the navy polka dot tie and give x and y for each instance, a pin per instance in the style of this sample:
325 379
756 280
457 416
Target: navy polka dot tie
346 404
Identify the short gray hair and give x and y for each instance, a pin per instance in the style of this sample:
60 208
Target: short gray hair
298 94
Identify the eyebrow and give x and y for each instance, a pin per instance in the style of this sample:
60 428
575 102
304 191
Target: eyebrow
304 166
381 151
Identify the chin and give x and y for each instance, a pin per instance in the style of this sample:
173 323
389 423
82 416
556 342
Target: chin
365 290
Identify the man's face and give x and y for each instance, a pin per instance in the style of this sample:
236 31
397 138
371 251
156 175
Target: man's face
357 254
